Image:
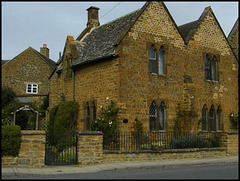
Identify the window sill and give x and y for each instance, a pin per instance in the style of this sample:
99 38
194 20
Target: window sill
211 81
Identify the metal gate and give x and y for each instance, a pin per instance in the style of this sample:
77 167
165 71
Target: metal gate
61 148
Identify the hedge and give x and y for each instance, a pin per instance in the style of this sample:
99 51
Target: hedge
11 140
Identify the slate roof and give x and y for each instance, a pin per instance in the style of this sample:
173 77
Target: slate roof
187 30
100 42
50 62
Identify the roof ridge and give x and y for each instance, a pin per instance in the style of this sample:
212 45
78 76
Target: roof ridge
49 61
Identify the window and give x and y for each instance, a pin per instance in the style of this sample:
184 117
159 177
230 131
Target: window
32 88
153 116
214 69
162 117
212 119
161 61
90 112
88 118
157 114
219 119
204 118
207 68
94 113
156 61
152 60
210 68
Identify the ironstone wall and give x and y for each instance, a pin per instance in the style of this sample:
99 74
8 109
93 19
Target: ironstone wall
32 150
90 150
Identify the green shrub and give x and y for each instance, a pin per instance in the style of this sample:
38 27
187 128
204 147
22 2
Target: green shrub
8 96
11 140
107 123
190 141
63 119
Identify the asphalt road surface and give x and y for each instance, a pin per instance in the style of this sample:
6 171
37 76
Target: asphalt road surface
223 171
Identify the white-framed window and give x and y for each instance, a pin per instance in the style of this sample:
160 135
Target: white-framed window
32 88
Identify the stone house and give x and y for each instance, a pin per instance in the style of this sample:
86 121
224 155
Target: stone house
233 39
147 64
27 74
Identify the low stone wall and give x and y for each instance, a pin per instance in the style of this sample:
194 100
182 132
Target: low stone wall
32 150
111 156
90 150
230 141
90 147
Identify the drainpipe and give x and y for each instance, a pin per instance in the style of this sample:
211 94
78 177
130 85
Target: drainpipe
73 85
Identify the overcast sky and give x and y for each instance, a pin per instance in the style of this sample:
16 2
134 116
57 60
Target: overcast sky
32 24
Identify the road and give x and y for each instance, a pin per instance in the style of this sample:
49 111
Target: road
223 171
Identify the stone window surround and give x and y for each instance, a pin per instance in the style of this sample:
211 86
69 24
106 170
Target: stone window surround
157 47
158 103
211 57
217 119
89 109
31 88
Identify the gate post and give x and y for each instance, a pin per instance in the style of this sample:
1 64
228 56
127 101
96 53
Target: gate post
90 147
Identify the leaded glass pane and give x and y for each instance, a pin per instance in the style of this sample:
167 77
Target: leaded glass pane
212 118
207 69
162 117
219 121
88 119
161 61
153 116
214 69
204 118
152 60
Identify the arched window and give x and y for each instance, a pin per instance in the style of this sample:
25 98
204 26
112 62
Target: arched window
161 61
207 68
152 116
204 118
219 119
214 69
94 113
212 118
88 118
162 117
152 60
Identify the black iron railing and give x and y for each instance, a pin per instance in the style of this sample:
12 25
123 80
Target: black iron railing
61 148
131 141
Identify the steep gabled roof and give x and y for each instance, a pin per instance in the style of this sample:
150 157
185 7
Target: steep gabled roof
187 30
99 43
50 62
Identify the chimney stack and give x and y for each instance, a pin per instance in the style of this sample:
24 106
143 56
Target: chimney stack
92 17
44 50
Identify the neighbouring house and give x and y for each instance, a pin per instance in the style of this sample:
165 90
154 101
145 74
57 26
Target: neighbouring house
27 75
147 64
233 39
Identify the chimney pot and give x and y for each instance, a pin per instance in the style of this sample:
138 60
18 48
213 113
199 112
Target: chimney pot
44 50
93 17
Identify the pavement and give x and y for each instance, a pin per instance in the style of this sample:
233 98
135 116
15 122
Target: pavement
14 170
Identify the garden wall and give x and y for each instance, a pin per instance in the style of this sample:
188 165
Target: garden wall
90 150
32 150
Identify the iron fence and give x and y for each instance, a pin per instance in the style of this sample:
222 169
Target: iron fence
131 141
61 148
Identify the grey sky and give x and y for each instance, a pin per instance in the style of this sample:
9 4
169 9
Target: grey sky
32 24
